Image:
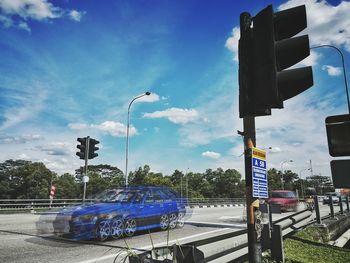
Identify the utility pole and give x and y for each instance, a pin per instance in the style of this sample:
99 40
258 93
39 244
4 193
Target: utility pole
254 245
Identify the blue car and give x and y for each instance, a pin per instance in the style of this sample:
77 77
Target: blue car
123 212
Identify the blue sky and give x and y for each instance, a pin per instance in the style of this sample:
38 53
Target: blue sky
70 68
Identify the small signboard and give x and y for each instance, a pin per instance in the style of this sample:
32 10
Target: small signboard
260 187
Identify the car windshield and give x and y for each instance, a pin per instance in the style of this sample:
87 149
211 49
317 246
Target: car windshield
107 196
282 195
125 196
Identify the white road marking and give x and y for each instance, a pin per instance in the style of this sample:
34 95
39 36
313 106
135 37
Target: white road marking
155 245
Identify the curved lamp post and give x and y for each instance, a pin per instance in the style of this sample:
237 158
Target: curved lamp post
290 161
302 184
127 134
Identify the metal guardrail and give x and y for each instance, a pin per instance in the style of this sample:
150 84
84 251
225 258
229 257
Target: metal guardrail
22 204
288 221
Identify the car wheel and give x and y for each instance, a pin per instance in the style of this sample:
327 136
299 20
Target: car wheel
172 220
117 228
180 220
103 230
130 227
164 222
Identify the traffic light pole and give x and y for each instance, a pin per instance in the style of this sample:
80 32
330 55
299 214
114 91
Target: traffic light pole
86 165
254 245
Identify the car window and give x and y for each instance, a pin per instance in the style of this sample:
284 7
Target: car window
139 197
282 195
157 197
149 198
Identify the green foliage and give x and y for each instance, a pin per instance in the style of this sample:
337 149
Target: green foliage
66 187
307 246
24 179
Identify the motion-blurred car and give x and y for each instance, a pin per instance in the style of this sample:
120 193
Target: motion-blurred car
123 213
286 199
335 198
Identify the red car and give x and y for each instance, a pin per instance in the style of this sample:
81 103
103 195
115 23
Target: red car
286 199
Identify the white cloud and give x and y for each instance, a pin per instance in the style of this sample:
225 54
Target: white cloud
35 9
175 115
113 128
311 60
7 139
332 71
232 42
27 106
76 15
78 126
18 12
327 24
57 148
116 129
213 155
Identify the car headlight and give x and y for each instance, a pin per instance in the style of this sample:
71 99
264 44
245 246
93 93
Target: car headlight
84 218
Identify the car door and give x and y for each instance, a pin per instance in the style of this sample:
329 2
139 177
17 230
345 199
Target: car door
150 210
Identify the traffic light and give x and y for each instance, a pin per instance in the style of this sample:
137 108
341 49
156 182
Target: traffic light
82 147
266 49
338 135
93 148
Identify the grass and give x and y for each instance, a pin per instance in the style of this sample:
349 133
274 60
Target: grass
309 245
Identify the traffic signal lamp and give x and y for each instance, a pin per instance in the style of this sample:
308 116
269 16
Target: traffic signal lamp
93 148
82 147
338 135
266 49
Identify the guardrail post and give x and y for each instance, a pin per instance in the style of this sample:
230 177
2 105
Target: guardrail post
277 253
266 231
341 205
331 206
347 203
317 209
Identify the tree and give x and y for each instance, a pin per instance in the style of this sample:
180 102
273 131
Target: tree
139 176
322 184
67 187
288 180
31 180
274 179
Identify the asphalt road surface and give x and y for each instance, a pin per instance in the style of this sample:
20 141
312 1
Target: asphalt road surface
20 242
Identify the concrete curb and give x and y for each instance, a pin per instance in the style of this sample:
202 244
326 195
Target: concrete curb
342 240
209 224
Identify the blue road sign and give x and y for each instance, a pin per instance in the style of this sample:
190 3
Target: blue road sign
260 184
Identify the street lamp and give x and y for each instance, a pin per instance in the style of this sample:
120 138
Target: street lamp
127 135
290 161
302 184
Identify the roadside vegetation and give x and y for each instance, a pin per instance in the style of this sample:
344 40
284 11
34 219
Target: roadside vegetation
28 180
309 246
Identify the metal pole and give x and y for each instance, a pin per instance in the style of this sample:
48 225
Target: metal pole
347 204
181 185
254 245
330 198
344 71
186 186
86 164
282 176
127 136
341 205
317 209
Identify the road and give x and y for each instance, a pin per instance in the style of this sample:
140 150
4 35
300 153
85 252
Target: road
19 241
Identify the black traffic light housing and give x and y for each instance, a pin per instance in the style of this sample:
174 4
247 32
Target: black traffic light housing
266 49
93 148
338 135
82 147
